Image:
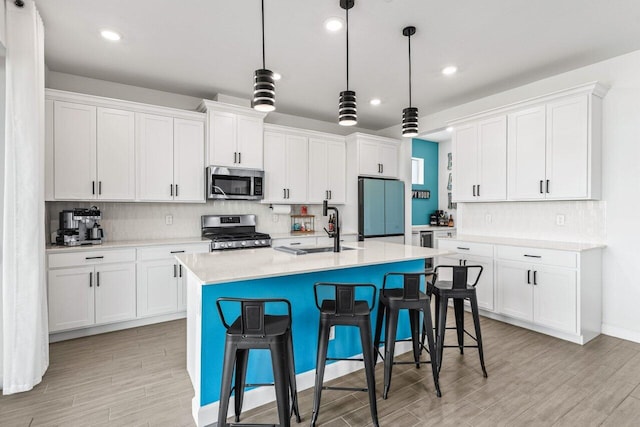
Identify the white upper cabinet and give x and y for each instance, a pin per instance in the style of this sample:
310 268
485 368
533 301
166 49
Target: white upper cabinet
481 165
116 154
188 160
327 170
74 151
235 135
376 156
154 143
286 166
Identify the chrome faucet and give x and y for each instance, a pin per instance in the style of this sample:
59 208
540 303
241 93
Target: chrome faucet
336 231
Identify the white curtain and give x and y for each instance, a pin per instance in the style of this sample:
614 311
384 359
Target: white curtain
25 329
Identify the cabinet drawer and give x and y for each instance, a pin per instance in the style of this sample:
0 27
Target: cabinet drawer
91 257
169 251
328 241
294 241
469 248
537 256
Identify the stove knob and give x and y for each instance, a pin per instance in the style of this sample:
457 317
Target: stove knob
257 242
263 242
222 245
244 243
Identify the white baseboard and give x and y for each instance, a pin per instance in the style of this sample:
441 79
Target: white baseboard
623 333
208 415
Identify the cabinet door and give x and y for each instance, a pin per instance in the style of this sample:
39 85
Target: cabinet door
393 207
492 159
188 160
388 155
275 168
526 153
157 287
514 294
116 158
555 299
154 142
115 289
484 288
318 171
297 168
368 158
466 163
336 171
222 139
249 133
70 297
74 142
568 148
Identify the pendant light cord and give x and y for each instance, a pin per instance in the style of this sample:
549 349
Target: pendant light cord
347 9
409 70
263 61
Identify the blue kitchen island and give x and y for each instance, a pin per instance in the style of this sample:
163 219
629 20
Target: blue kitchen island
268 273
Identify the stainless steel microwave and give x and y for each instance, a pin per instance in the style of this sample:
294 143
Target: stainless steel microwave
234 184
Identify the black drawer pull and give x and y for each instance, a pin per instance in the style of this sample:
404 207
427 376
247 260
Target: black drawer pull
94 257
535 278
174 271
464 249
180 269
295 243
177 252
533 256
528 277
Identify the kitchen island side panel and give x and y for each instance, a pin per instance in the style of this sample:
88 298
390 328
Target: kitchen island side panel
298 289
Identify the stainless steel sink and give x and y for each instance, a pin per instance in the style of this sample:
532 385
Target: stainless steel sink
305 251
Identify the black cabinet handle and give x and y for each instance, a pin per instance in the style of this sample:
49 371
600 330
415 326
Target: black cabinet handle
98 278
528 277
382 167
239 157
464 249
326 194
177 252
93 187
294 243
533 256
180 269
330 195
175 274
171 189
90 280
535 278
464 262
541 192
478 190
235 157
284 193
94 257
99 187
287 193
547 186
474 191
176 190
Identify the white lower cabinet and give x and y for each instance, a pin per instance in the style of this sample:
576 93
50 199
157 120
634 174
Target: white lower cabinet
484 288
515 295
92 295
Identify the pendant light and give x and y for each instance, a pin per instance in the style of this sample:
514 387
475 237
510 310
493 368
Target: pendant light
264 83
409 114
347 114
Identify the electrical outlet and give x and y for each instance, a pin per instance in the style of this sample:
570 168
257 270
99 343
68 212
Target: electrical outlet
274 218
332 333
168 219
560 219
487 218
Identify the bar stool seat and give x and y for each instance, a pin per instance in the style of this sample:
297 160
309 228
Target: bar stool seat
254 329
458 290
345 310
408 297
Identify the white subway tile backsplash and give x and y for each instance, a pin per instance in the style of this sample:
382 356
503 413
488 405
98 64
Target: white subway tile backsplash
584 221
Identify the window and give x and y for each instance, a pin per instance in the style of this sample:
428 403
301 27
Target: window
417 171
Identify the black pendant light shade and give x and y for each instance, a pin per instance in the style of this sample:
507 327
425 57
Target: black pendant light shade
409 114
347 109
264 84
264 91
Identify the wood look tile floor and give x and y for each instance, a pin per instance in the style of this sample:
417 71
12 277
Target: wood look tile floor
137 377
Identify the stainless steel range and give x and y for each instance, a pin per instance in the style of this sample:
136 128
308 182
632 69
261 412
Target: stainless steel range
233 232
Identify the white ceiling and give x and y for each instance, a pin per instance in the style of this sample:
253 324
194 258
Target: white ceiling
204 47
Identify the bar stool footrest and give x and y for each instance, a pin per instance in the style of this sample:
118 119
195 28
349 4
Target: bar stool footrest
458 346
344 388
259 385
348 359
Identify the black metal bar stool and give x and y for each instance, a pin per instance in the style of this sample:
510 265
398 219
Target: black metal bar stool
458 289
411 298
254 329
345 310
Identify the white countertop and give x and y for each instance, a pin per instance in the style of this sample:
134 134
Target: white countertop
231 266
320 233
126 244
427 227
529 243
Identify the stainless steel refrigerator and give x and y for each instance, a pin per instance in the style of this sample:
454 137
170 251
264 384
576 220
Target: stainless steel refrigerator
380 208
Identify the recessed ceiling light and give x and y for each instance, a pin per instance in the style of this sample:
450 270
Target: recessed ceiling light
277 76
449 70
450 129
110 35
334 24
375 101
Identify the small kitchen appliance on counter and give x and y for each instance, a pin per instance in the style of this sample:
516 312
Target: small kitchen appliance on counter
80 227
233 232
